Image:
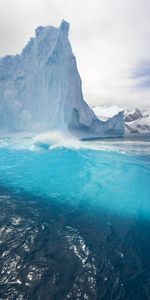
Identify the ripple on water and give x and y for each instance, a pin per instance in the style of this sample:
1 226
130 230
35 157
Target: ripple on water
38 253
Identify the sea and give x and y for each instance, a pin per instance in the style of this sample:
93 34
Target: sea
74 218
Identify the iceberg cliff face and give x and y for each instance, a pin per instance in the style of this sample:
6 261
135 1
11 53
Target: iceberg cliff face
40 89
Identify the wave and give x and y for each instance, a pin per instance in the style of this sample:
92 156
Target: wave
126 145
55 139
137 145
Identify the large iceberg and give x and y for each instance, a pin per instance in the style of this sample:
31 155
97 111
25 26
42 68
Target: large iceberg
40 89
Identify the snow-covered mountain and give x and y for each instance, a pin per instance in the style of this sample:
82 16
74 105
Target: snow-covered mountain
136 121
40 89
106 112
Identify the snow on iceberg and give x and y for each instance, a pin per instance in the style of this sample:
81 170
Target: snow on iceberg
41 89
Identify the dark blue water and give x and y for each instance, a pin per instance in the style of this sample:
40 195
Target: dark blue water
75 219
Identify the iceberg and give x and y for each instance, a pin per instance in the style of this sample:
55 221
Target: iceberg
135 121
41 89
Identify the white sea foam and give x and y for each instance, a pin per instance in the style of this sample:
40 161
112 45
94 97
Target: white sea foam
56 139
63 139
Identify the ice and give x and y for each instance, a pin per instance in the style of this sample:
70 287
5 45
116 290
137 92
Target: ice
41 90
136 120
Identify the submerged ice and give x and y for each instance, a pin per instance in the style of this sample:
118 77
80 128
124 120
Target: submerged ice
40 89
105 175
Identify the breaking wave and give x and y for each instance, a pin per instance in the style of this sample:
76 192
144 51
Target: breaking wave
56 139
132 144
128 144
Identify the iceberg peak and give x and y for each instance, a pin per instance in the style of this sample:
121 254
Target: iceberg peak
64 26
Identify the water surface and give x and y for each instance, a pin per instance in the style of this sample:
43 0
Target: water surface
75 219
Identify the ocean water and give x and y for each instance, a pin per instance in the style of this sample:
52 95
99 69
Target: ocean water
74 218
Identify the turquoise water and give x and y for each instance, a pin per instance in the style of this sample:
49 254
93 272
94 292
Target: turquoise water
117 179
75 218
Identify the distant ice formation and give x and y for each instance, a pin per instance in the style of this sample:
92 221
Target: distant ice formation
40 90
136 121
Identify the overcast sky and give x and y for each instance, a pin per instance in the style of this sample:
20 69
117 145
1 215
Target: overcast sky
110 39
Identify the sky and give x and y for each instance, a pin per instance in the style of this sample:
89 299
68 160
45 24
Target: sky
110 39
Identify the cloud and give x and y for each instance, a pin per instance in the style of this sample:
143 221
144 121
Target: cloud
110 38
